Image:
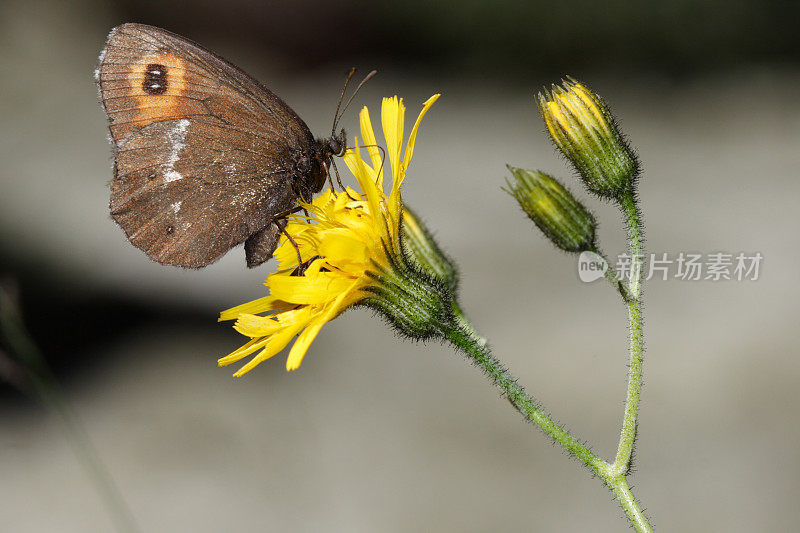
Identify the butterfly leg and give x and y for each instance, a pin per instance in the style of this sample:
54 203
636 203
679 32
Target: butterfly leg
301 265
301 269
260 246
296 249
339 181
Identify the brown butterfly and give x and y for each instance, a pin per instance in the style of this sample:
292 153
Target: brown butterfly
205 157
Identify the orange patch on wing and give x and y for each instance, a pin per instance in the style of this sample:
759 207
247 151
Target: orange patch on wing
164 106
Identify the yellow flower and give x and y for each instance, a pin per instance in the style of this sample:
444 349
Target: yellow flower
344 245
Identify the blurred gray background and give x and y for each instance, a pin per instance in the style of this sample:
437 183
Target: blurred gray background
374 433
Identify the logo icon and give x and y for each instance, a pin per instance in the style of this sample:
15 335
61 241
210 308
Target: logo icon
591 266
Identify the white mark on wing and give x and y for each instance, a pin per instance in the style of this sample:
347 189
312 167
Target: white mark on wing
176 207
177 138
99 62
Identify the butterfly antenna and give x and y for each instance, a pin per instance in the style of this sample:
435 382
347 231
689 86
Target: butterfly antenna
352 96
341 97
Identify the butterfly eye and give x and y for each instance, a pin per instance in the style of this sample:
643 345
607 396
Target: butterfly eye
335 146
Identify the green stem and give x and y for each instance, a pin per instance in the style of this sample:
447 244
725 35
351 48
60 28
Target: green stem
619 486
465 324
628 434
45 386
463 335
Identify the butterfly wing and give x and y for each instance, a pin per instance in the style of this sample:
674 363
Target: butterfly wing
204 156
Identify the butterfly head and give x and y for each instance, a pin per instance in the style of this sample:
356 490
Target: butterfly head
335 146
316 169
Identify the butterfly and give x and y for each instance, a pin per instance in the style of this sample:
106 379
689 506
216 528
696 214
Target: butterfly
205 157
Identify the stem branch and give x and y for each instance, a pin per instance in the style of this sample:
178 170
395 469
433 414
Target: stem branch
463 335
611 275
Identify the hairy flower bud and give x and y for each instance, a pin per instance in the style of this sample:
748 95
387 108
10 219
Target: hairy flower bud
560 216
420 247
583 128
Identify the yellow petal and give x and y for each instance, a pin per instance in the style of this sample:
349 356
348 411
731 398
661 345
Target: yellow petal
275 344
298 351
262 326
257 326
301 346
360 169
412 139
245 350
392 120
344 246
368 134
304 290
367 184
256 306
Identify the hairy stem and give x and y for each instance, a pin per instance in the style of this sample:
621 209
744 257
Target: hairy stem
628 434
463 336
622 492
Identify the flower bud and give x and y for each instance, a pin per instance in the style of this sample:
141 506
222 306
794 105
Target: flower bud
420 247
561 217
583 128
